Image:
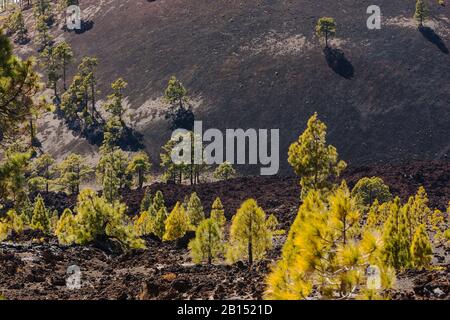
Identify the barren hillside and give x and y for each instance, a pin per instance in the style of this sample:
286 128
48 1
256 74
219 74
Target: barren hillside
258 64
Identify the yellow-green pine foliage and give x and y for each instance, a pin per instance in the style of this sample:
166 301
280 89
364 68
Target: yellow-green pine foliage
54 218
396 237
324 249
326 26
26 208
272 225
159 224
421 13
367 190
373 219
40 219
315 162
344 213
176 224
140 166
195 210
438 225
146 201
12 222
97 219
65 228
218 212
224 171
111 172
158 203
418 211
249 237
143 225
421 251
384 211
208 242
73 170
284 282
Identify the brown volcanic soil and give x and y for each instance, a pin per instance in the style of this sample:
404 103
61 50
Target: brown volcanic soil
258 64
30 270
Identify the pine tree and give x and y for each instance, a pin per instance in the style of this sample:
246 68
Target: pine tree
419 213
314 161
97 220
13 173
177 224
326 27
146 201
140 166
438 225
114 132
373 219
73 170
43 9
218 213
396 237
172 172
112 172
65 228
158 203
18 86
421 12
249 236
367 190
224 171
421 251
180 114
86 70
43 168
114 105
43 37
344 214
40 219
20 27
207 244
159 224
195 210
11 222
144 224
64 56
315 254
51 65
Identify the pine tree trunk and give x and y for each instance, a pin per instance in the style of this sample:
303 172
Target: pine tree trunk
64 74
209 246
250 247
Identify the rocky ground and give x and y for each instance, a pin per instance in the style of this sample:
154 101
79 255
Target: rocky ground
35 267
164 271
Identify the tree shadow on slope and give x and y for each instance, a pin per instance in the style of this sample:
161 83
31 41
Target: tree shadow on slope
434 38
339 63
131 140
85 26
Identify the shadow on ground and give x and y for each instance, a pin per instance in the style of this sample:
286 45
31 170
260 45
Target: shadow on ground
434 38
339 63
